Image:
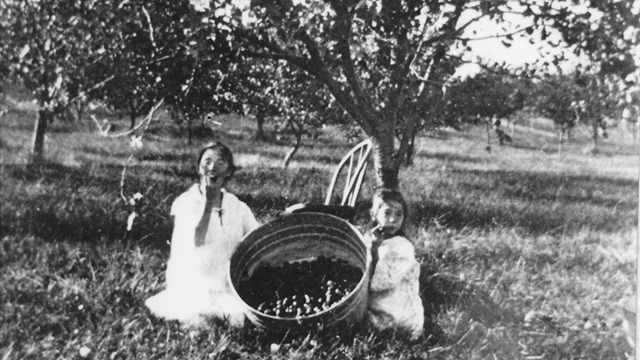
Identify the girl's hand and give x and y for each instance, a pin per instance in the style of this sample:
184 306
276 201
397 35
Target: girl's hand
383 232
210 187
377 231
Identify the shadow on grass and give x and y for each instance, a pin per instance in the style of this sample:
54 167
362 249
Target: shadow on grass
329 157
145 155
551 148
444 156
535 201
441 291
60 203
171 157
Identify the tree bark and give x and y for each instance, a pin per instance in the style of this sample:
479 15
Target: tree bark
594 127
382 151
133 113
39 131
260 123
488 130
132 119
411 149
560 139
294 149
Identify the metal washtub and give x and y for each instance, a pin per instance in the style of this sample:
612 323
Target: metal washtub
297 237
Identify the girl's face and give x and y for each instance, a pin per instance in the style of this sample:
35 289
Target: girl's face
213 169
390 217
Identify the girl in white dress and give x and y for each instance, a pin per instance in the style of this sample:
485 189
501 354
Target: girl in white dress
394 294
209 223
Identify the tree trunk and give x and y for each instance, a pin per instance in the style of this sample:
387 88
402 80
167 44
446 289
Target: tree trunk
133 112
132 119
80 108
594 135
39 131
383 150
260 122
560 138
488 148
294 149
411 149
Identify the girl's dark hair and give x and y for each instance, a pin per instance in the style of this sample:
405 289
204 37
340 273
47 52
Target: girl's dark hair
224 153
385 195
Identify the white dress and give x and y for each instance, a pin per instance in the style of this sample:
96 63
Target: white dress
196 279
394 292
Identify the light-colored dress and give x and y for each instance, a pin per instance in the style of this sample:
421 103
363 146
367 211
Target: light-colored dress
197 283
394 292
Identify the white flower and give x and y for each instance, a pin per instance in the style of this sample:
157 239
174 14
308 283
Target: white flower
200 5
136 141
133 200
84 351
24 51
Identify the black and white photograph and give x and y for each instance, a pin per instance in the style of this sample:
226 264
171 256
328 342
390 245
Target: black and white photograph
319 179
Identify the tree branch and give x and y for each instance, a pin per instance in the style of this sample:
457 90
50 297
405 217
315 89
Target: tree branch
96 86
150 28
468 23
347 62
313 65
416 53
498 35
145 122
448 30
399 73
409 124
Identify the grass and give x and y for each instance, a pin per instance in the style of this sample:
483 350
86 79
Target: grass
524 232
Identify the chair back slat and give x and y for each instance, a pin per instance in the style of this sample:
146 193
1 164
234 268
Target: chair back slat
355 163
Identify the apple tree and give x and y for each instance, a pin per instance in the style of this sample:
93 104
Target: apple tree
46 45
607 33
370 54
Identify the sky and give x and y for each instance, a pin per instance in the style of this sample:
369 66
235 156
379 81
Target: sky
519 54
521 51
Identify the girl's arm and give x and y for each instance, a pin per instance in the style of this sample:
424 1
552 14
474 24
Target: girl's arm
203 224
396 260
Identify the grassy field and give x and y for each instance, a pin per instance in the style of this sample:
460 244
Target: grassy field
542 246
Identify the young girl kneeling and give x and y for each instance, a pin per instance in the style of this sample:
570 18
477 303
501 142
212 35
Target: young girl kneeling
394 300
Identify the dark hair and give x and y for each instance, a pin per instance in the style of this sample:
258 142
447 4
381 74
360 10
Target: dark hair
385 195
224 153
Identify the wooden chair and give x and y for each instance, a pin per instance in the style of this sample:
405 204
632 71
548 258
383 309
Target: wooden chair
347 180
